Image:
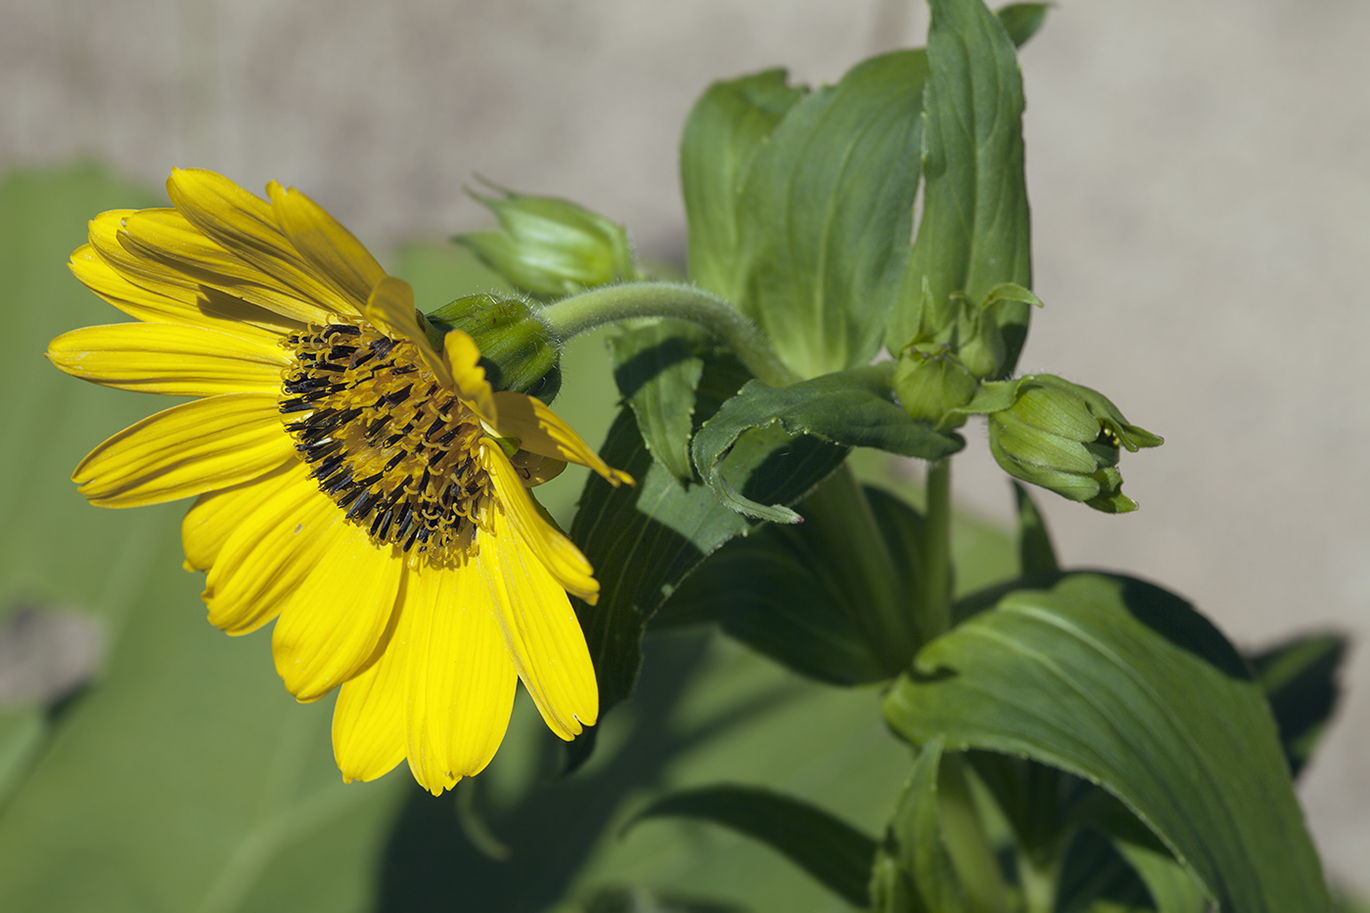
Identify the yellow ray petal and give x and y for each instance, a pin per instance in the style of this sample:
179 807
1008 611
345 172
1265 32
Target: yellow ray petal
244 223
391 308
468 377
217 515
330 248
148 274
187 450
191 306
166 238
369 736
540 631
540 430
270 555
461 683
333 625
171 359
546 543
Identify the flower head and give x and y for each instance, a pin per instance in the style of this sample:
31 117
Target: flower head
356 483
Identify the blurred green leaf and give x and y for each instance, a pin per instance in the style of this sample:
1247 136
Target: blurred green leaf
832 851
848 408
1095 878
657 368
185 778
974 230
826 213
1300 681
1022 20
1035 551
1125 684
726 127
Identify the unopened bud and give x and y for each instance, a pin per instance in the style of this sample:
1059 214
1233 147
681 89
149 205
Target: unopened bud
551 247
1067 438
932 383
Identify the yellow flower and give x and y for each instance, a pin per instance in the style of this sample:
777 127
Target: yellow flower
356 484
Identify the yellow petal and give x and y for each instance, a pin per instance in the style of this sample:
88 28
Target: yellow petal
166 239
187 450
461 682
540 630
171 359
216 515
369 736
391 308
540 430
338 619
468 377
547 544
192 306
151 275
330 248
270 554
243 223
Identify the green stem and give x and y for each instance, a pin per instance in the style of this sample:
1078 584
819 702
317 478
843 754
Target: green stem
579 313
937 597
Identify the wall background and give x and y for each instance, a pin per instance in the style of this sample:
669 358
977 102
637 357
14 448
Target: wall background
1199 182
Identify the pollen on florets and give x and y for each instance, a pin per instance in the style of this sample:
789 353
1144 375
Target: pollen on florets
384 440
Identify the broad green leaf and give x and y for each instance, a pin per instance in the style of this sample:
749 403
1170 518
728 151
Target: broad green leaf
726 127
913 871
657 370
826 213
850 409
1022 20
836 854
804 595
636 900
1299 678
1125 684
974 230
643 539
1035 551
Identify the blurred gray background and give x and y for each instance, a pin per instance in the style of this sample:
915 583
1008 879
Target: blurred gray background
1199 174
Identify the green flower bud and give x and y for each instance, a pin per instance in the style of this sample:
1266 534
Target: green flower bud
551 247
1066 437
517 350
931 382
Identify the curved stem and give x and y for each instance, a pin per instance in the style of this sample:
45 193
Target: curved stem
572 316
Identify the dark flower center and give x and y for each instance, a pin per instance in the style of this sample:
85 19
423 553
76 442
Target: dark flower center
383 438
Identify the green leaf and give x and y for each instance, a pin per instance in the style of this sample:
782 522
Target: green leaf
826 213
644 539
1022 20
850 409
1035 551
801 594
1125 684
726 127
974 231
913 870
832 851
1096 878
657 370
1299 678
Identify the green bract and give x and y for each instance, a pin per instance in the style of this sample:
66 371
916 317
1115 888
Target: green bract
517 350
551 247
1065 437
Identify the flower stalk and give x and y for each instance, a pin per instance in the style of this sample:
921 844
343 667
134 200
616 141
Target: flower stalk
581 313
